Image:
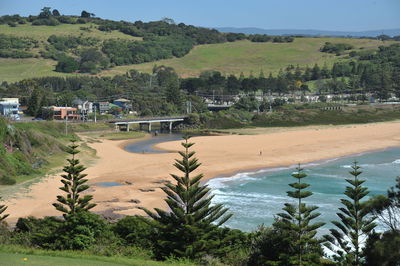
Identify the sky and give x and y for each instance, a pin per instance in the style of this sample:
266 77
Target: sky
338 15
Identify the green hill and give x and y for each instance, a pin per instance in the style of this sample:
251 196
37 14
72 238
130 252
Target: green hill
227 57
41 33
245 56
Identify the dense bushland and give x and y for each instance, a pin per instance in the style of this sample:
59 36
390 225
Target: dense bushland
25 149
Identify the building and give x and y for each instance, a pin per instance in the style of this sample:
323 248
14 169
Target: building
85 108
9 107
103 107
123 103
62 113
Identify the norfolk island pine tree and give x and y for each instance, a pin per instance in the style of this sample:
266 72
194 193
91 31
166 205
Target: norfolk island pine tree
186 229
74 184
346 240
296 222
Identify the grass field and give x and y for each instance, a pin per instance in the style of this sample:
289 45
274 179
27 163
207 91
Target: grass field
15 256
12 70
246 57
228 58
41 33
17 69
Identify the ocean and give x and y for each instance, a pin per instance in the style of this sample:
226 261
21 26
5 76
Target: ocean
256 197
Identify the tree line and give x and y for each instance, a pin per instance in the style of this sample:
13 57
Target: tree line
163 93
192 227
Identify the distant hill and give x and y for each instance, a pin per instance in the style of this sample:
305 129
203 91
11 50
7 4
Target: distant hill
72 46
372 33
251 57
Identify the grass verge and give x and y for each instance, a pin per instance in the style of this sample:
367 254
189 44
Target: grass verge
15 255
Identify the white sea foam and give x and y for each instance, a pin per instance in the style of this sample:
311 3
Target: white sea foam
396 161
327 175
366 165
221 182
247 196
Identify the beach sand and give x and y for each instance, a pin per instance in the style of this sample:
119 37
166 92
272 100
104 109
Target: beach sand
142 175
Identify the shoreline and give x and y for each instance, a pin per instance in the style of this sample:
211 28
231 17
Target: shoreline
306 165
142 175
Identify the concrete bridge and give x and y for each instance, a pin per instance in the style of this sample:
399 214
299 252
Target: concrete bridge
145 123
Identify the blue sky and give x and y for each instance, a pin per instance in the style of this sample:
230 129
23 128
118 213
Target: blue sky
341 15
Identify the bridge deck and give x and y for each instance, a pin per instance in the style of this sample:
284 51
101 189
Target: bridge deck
148 120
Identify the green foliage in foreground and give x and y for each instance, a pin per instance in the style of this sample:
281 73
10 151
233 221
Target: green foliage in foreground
18 255
383 248
296 223
355 223
187 230
74 186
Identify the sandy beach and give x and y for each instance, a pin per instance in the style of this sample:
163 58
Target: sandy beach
141 175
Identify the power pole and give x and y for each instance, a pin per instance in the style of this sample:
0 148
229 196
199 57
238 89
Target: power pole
213 96
66 125
95 118
270 102
66 120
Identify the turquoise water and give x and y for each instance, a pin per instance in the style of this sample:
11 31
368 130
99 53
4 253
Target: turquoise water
147 145
254 198
109 184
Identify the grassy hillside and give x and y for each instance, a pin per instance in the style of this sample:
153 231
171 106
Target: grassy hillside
12 69
32 149
246 56
228 58
41 33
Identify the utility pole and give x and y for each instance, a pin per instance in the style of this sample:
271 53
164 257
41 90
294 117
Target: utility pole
188 107
95 118
270 102
213 96
66 120
66 125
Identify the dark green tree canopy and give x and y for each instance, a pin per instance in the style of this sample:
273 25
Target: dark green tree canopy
186 229
295 222
355 223
73 185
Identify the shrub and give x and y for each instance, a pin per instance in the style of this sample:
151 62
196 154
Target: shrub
45 22
67 65
134 231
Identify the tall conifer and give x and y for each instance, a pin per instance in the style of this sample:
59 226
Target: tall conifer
74 185
296 221
355 224
187 228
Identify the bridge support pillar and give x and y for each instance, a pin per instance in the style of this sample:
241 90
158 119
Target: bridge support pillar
127 127
166 126
143 126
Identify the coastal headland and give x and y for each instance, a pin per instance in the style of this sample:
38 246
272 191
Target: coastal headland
140 176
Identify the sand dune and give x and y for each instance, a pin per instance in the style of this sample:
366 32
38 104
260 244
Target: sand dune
143 174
